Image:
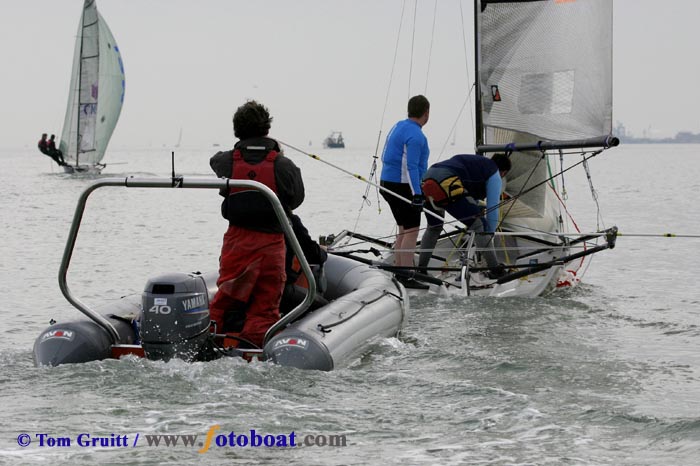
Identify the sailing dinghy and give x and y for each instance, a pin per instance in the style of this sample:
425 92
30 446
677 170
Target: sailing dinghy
543 95
95 96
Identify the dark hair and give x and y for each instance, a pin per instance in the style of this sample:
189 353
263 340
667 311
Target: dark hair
502 162
251 120
53 136
417 106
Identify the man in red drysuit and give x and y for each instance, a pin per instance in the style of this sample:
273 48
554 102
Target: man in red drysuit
252 264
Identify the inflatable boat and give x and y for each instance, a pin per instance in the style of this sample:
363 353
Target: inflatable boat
171 318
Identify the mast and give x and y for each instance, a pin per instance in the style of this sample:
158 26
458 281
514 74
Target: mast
80 74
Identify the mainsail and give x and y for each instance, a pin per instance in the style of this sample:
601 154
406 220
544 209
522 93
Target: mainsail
96 91
544 70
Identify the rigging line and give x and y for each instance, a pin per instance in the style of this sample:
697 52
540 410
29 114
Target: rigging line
470 90
578 230
562 204
373 170
501 234
355 175
387 238
413 41
325 327
512 199
430 50
657 235
564 194
454 125
594 194
466 65
512 204
456 233
554 186
578 273
547 180
459 247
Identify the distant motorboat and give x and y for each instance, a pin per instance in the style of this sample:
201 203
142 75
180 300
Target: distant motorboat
334 141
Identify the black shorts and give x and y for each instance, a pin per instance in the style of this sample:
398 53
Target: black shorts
405 215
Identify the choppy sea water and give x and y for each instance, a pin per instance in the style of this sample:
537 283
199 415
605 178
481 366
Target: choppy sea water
606 373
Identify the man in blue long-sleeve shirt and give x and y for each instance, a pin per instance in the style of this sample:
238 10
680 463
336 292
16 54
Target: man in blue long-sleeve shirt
404 161
456 185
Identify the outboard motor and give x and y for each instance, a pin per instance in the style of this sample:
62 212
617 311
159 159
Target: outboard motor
175 316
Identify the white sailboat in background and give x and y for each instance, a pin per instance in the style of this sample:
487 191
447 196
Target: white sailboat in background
95 96
543 92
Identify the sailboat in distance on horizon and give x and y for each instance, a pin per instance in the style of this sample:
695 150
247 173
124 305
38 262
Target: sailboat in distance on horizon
95 96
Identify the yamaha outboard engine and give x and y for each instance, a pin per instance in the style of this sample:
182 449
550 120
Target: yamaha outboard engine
175 316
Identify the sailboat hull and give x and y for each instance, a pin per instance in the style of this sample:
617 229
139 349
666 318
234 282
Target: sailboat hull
83 169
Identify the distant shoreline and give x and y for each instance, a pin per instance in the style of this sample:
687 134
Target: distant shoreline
684 137
654 141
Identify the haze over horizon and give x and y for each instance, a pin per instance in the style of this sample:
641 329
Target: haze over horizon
318 65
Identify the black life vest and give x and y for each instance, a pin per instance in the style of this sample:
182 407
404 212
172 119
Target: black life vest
248 208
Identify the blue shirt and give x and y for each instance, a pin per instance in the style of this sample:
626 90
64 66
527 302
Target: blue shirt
405 155
493 198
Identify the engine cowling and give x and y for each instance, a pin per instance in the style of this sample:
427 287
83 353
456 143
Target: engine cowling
175 316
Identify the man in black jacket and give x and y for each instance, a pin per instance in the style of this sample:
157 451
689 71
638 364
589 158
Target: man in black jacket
296 288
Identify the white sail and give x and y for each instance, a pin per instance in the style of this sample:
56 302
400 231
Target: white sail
545 74
96 91
545 67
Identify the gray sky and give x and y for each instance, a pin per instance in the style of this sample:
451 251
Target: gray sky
319 65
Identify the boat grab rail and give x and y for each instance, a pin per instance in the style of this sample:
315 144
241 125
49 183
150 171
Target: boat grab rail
184 183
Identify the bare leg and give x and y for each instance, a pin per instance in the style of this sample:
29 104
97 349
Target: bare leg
405 246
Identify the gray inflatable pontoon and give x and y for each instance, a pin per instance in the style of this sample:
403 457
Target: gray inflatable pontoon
171 318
